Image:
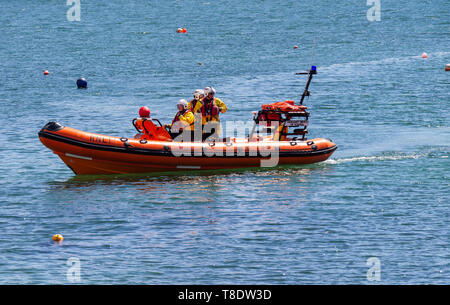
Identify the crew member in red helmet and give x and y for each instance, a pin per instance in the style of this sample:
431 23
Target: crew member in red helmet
144 112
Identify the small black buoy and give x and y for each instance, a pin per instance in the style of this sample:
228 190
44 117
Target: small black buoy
81 83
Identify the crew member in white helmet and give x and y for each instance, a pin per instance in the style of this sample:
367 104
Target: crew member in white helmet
210 110
197 102
184 119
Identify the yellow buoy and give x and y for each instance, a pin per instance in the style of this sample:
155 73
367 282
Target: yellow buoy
57 237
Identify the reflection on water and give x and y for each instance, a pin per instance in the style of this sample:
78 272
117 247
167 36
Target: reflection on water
276 186
193 178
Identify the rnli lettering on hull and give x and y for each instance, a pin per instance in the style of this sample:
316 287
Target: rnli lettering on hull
99 139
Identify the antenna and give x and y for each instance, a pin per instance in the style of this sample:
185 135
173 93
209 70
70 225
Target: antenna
312 54
311 71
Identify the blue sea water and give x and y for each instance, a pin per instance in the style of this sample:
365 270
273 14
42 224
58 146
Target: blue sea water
383 194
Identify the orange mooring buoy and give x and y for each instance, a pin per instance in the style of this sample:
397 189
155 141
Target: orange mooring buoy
57 237
447 67
46 72
295 47
424 55
182 30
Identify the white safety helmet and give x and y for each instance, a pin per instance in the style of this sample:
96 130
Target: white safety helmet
198 94
183 103
209 90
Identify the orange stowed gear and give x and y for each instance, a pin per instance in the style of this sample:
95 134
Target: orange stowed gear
286 106
269 116
150 131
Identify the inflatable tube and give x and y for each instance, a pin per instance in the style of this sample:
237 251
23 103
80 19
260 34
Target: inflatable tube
90 153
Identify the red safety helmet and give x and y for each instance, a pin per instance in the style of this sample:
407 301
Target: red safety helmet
144 112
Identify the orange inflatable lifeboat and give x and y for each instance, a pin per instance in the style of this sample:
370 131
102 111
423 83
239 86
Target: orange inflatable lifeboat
90 153
278 137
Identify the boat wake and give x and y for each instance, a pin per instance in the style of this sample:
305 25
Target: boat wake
373 158
389 157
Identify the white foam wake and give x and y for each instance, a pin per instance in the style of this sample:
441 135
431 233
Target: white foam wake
375 158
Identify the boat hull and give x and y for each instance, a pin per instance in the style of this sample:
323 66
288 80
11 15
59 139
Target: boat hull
88 153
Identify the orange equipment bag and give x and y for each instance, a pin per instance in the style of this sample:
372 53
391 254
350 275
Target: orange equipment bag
286 106
151 131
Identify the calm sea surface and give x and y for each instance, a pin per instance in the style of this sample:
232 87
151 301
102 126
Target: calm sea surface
383 194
